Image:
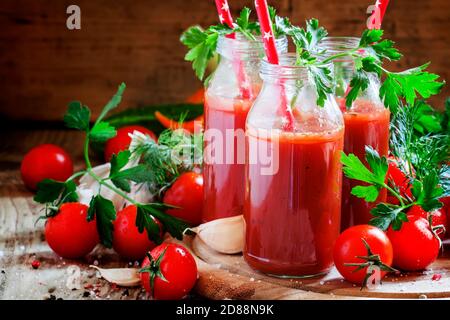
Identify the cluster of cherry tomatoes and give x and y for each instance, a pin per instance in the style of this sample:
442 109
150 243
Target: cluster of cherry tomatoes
71 236
412 248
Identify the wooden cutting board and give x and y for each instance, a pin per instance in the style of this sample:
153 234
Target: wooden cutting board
220 276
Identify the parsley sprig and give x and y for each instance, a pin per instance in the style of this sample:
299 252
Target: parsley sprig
426 189
123 172
202 43
368 59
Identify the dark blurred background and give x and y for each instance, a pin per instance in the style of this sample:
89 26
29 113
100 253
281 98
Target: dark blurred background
43 65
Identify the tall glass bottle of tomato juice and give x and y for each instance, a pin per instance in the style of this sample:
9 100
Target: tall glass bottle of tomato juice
229 95
294 177
366 123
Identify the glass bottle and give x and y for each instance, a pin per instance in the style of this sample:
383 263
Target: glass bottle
294 175
229 95
366 123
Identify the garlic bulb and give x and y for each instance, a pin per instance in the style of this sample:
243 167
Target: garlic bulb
125 277
223 235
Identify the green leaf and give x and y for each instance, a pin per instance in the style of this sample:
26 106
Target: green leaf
193 36
243 19
102 131
322 80
386 215
139 174
355 169
105 214
379 165
385 49
113 102
428 192
370 36
77 116
173 225
358 84
408 84
118 161
368 193
145 221
50 191
390 93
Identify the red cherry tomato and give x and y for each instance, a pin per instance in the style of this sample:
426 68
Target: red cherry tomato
46 161
399 179
178 268
127 241
350 245
122 140
69 234
186 193
415 246
438 218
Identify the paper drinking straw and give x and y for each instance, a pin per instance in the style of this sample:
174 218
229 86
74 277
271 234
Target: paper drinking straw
272 55
375 21
223 10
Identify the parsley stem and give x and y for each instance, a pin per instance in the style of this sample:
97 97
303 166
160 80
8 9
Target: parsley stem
76 175
112 188
339 55
395 194
86 152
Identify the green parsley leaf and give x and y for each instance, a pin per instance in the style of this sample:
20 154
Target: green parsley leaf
355 169
369 37
387 214
101 132
77 116
120 178
103 211
359 83
428 192
50 190
113 102
173 225
145 221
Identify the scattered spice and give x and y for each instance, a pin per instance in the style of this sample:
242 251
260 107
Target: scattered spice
436 277
36 264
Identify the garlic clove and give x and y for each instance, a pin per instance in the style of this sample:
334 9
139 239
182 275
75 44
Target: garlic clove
223 235
125 277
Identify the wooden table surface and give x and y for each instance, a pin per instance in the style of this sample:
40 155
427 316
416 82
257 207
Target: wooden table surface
220 276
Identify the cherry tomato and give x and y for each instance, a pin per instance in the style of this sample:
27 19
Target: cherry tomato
415 245
399 179
127 241
122 140
178 268
438 218
69 234
187 193
446 208
45 161
350 245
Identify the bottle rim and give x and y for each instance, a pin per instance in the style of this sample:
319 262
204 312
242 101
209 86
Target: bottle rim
286 69
246 48
335 45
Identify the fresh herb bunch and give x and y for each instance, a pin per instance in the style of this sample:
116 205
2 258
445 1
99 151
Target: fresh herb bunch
424 158
202 43
368 59
175 152
426 191
124 171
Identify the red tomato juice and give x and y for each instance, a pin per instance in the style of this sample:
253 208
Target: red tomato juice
224 180
365 124
295 212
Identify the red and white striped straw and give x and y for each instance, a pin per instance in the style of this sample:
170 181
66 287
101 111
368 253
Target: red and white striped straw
377 16
223 10
266 31
270 49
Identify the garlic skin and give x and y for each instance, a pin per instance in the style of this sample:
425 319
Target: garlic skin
125 277
223 235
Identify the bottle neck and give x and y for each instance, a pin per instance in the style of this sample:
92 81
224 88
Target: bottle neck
286 72
334 46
